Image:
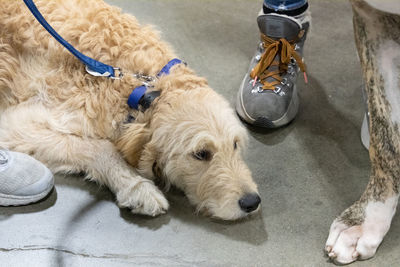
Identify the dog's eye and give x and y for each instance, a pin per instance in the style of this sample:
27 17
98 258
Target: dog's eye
202 155
235 145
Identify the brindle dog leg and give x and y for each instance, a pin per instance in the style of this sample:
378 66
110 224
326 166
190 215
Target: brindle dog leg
359 230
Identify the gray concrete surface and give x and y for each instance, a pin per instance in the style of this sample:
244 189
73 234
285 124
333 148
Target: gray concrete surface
307 172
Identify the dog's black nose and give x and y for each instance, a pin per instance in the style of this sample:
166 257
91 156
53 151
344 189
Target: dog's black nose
249 202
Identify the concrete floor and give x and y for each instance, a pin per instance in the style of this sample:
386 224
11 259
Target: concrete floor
308 172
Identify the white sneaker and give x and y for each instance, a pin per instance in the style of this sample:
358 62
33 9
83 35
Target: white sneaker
23 179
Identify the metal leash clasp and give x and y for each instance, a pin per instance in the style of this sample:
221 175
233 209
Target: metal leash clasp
145 79
120 74
106 74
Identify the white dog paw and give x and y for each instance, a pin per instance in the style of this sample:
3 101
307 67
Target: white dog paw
347 244
143 198
357 235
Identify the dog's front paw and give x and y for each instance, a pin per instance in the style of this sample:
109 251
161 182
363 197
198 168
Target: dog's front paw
143 198
359 231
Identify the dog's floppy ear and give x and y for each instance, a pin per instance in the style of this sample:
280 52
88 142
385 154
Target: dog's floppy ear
148 164
132 142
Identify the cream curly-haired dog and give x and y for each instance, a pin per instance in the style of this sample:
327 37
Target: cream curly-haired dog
71 121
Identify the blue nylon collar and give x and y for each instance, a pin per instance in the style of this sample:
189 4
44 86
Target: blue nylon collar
166 69
138 92
135 96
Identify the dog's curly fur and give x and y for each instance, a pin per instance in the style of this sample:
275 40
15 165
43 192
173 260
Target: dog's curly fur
73 122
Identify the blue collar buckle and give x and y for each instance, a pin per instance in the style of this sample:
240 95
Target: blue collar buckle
138 96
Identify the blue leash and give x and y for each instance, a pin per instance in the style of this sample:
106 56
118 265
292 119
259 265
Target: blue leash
95 67
98 68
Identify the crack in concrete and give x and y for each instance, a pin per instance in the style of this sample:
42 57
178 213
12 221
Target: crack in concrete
173 258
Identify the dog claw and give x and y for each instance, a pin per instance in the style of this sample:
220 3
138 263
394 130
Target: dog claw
328 249
355 255
152 214
332 255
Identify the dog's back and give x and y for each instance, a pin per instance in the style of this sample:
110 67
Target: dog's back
24 51
35 67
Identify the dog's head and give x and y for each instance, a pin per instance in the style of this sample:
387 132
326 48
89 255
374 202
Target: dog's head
194 142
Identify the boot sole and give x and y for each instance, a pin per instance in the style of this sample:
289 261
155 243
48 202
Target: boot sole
11 200
289 115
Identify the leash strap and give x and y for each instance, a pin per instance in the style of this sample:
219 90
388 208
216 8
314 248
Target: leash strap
138 93
97 68
94 67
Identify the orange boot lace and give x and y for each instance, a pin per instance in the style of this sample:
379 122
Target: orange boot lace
272 48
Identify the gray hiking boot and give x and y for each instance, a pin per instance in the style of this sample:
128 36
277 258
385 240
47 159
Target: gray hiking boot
268 94
23 179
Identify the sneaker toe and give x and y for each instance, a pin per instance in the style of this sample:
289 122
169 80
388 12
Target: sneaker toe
264 108
23 176
44 184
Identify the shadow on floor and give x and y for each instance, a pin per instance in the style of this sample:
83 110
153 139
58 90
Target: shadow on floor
44 204
326 134
180 209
